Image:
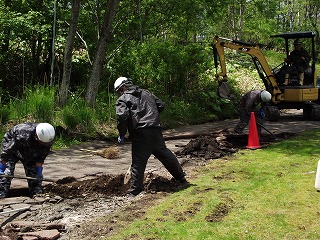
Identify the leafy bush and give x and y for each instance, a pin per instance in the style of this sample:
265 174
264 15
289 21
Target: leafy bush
76 116
37 105
164 67
179 112
105 106
4 114
43 104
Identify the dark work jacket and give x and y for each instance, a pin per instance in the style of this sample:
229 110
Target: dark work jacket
138 108
251 100
20 143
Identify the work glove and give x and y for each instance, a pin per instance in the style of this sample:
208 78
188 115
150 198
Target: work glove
121 140
2 168
262 113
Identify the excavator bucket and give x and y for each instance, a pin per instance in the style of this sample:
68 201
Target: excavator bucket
224 91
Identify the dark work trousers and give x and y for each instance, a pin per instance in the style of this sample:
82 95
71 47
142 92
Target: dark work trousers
35 186
147 141
245 119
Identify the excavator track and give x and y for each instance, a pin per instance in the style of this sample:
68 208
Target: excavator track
272 113
311 111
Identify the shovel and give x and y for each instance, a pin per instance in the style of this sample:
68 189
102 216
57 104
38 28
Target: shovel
23 177
127 176
266 130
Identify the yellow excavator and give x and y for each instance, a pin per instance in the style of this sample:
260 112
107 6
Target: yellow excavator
286 91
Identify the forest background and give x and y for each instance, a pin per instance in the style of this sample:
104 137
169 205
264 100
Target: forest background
59 59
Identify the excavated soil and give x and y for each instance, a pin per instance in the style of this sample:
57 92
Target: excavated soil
202 148
72 202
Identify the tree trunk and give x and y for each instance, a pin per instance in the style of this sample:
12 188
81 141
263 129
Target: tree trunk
241 19
6 31
67 63
97 66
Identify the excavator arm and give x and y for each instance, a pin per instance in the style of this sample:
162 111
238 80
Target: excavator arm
264 70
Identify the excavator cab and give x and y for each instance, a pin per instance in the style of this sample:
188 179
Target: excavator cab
283 81
297 70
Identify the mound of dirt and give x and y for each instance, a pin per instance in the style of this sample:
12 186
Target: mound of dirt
108 185
222 143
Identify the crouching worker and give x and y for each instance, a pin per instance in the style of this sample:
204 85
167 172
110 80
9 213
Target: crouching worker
253 101
29 143
138 111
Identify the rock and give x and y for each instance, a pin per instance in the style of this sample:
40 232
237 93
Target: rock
20 206
4 237
44 235
29 238
14 200
55 217
21 224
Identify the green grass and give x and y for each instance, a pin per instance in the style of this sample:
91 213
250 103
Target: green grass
255 194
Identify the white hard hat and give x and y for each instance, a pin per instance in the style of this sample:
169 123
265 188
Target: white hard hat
45 132
265 96
120 82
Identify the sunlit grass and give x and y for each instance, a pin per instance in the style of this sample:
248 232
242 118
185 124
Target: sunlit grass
263 194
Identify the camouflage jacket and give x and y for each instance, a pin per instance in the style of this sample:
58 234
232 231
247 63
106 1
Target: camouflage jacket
19 143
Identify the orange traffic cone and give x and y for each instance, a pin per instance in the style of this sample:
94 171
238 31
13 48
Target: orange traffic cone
253 138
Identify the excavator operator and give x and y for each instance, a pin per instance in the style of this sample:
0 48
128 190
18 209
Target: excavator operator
299 60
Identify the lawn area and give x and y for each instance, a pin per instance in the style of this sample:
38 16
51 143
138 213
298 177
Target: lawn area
265 194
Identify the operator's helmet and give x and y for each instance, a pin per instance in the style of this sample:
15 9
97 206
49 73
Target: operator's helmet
45 132
265 96
297 42
120 82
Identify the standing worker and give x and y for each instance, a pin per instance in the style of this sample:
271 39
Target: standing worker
299 59
138 111
253 101
30 143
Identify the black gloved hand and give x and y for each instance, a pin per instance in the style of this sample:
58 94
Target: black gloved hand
121 140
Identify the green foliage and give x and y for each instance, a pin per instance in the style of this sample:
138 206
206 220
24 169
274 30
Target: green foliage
164 67
76 116
176 73
105 106
4 113
222 108
38 104
64 142
180 112
42 102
